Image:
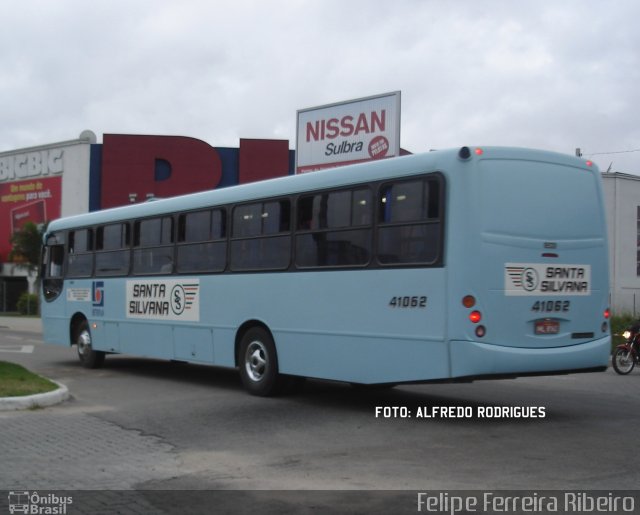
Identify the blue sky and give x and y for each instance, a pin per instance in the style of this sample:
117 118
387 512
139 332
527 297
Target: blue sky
546 73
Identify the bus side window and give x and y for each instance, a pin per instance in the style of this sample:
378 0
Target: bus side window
305 214
55 261
80 259
334 229
153 246
261 236
112 249
409 228
202 244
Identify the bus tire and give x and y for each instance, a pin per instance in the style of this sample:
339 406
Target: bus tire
89 358
258 363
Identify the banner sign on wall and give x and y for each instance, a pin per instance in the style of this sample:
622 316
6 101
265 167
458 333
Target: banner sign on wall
348 132
34 181
37 200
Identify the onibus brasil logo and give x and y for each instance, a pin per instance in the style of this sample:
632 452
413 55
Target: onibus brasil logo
22 501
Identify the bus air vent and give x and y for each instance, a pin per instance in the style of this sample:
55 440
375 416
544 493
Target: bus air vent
581 336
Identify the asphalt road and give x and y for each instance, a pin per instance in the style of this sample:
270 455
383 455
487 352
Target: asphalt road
151 425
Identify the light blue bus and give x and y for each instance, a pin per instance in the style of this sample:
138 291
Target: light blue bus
451 265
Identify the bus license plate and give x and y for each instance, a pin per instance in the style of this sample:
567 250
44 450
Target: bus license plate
547 327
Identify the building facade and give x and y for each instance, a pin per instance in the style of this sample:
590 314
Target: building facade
40 184
622 204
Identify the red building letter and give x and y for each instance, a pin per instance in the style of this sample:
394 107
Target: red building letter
162 166
262 159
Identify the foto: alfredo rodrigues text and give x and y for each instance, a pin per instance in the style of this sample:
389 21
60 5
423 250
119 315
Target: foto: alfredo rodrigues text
473 412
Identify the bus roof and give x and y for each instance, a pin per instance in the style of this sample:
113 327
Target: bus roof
439 160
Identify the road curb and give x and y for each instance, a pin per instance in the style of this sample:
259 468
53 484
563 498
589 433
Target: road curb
40 400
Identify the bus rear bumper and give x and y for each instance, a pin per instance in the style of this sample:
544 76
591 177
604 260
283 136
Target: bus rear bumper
472 358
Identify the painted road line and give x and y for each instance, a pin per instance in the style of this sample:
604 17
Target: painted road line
21 349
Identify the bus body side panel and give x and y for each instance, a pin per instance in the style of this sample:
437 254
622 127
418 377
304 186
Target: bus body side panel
365 326
55 327
56 314
339 325
117 331
377 335
194 344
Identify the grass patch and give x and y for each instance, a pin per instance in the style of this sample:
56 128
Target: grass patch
17 381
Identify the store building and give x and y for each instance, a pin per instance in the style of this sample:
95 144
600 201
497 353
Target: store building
39 184
622 204
43 183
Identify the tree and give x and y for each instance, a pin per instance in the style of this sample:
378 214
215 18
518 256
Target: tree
26 244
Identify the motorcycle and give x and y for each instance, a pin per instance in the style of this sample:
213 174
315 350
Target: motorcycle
627 354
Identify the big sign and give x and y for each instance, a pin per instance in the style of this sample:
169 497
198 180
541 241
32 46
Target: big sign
348 132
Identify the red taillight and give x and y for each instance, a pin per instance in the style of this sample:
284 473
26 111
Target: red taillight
607 313
475 316
465 152
589 163
468 301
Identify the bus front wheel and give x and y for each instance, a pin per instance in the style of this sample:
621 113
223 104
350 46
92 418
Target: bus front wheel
258 363
89 358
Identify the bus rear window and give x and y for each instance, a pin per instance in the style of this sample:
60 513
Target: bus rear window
539 200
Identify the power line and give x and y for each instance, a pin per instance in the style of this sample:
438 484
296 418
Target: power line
614 152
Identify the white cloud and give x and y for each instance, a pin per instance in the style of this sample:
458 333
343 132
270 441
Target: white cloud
542 73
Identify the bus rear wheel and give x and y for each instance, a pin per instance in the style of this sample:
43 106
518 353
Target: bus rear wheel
258 363
89 358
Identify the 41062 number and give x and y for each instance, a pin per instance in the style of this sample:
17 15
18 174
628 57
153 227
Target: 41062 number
408 302
548 306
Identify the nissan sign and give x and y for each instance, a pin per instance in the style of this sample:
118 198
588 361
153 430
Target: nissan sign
348 132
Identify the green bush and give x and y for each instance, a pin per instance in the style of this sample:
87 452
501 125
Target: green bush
28 304
620 322
618 325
